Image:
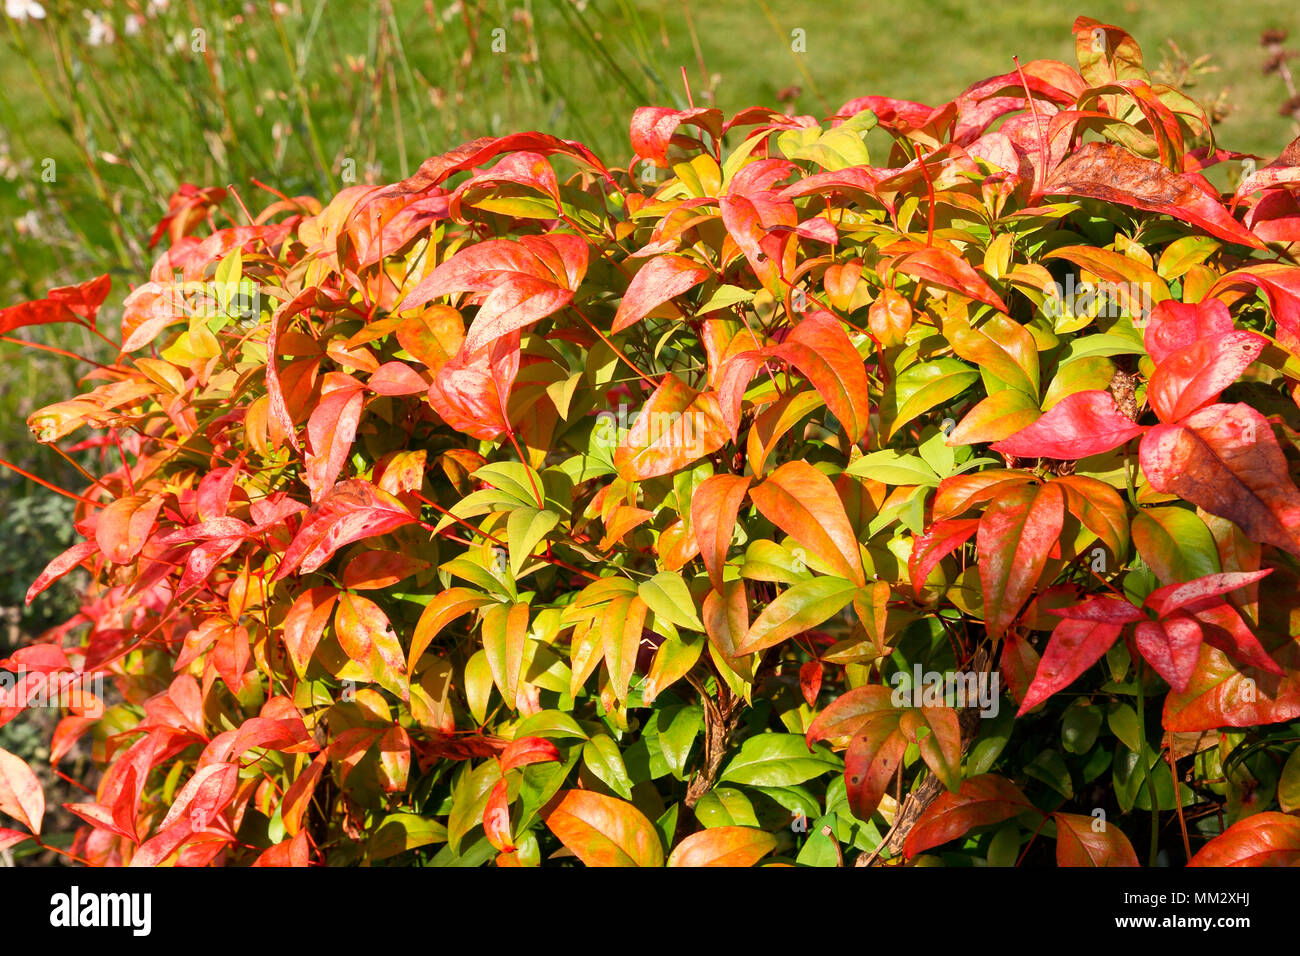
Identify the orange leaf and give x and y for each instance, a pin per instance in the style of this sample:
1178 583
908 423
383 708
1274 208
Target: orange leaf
723 846
603 831
20 792
713 518
1079 844
802 502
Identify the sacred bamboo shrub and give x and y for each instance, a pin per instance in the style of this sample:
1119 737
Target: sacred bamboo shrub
535 508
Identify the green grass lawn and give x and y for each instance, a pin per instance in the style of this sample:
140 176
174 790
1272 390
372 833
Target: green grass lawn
291 99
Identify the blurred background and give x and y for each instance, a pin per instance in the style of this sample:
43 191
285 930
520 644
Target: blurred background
106 108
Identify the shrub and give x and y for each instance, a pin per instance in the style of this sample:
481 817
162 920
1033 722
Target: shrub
747 503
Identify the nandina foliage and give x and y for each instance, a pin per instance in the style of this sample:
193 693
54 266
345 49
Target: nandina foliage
534 508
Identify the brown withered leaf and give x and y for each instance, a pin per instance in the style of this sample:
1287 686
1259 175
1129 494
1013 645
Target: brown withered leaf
1291 155
1112 174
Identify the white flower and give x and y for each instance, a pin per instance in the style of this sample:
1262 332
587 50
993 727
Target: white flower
22 10
29 224
101 29
131 25
156 7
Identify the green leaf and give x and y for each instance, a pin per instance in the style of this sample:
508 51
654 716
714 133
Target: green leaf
524 529
819 849
602 757
1123 722
1288 784
677 728
469 795
1049 767
399 832
894 468
1079 727
513 478
549 723
798 609
1175 544
668 597
725 297
725 807
1004 848
778 760
926 385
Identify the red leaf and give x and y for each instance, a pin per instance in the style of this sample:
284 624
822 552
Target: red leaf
525 751
436 169
1111 173
1015 536
1172 597
230 656
1223 628
1226 459
849 712
471 391
962 492
1078 844
351 511
713 518
305 623
297 799
1075 645
285 734
10 838
1171 647
367 637
374 570
802 502
948 270
74 303
981 801
60 566
1262 839
941 539
124 525
810 681
1106 609
204 795
1195 374
659 280
394 759
522 169
294 852
156 850
496 818
396 378
525 281
653 128
871 762
330 431
21 795
820 348
1280 283
1082 424
1175 325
